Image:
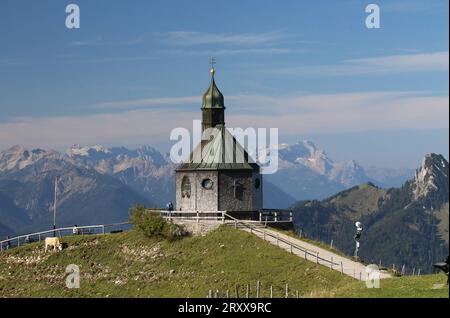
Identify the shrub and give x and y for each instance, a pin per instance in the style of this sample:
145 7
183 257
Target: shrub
153 225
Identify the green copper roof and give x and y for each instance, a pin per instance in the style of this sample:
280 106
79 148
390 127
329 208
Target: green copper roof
213 98
219 152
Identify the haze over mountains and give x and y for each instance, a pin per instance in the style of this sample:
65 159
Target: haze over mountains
99 184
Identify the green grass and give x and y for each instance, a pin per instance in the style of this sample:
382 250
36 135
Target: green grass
327 247
426 286
131 265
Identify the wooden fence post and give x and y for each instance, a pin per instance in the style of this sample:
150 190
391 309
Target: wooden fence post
297 294
247 293
317 257
271 291
331 244
342 268
236 291
287 291
331 262
257 289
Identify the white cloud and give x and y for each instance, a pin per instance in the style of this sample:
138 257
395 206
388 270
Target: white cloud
339 113
420 62
305 114
437 61
148 102
8 62
100 41
237 51
189 38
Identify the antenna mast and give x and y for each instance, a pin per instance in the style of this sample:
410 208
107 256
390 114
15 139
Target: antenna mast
54 207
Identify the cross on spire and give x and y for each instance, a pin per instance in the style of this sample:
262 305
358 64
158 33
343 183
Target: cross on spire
212 61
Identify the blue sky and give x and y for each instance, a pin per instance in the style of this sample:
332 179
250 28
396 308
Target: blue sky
136 69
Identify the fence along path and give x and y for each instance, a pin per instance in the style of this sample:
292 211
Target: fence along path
60 232
306 250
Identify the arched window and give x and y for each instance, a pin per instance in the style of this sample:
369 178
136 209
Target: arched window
185 187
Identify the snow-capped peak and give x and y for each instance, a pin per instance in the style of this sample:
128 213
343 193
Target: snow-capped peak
19 157
77 150
306 154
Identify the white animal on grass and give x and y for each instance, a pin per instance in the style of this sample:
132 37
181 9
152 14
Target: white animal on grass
53 242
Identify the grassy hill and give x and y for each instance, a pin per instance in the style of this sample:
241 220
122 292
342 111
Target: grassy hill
131 265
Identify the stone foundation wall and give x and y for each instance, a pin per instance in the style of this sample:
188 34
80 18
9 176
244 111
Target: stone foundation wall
198 229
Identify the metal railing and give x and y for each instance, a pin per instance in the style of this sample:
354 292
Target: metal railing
275 215
279 240
193 215
60 232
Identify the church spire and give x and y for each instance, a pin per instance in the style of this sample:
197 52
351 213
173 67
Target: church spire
213 106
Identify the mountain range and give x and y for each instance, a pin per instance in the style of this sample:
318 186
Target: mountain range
403 226
85 196
307 172
99 184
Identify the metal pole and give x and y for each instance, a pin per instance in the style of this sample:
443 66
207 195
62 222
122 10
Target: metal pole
54 207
